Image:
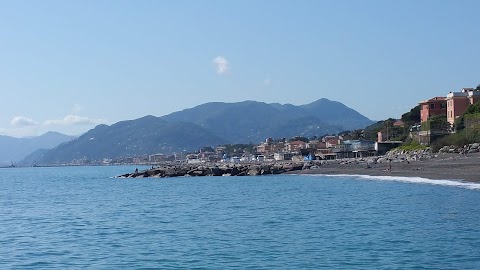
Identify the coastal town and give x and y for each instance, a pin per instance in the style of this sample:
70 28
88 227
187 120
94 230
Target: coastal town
363 143
399 141
295 149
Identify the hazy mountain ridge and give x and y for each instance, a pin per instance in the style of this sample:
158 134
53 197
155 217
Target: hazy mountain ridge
146 135
211 124
14 149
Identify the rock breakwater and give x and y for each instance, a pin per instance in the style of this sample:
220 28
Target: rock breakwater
466 149
217 170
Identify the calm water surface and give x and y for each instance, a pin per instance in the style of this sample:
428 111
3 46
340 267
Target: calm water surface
81 218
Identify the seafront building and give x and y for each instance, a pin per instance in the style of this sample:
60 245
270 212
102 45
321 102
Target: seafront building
431 107
457 102
452 106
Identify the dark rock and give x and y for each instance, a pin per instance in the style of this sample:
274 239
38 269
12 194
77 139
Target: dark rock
235 171
197 173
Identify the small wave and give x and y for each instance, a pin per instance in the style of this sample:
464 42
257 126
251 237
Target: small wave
415 180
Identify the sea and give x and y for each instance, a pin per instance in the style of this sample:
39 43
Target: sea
85 218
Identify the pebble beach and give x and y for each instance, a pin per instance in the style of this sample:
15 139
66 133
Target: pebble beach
451 166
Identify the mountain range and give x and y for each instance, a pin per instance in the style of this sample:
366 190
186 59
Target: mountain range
252 121
211 124
14 149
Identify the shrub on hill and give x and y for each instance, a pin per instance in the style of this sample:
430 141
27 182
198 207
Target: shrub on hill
412 117
411 146
459 139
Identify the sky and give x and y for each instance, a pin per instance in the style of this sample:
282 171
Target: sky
68 66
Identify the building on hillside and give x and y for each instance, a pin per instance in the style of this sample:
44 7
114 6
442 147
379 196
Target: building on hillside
315 144
265 148
399 123
278 147
295 146
331 141
457 102
431 107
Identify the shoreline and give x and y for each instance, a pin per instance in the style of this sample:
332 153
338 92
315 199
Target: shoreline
423 164
443 167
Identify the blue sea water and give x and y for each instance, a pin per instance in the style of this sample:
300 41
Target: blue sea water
82 218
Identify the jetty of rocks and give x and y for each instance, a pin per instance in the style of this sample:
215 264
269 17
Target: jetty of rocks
217 169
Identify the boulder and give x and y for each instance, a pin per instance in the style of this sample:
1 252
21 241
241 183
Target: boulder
235 171
197 173
215 171
254 170
382 160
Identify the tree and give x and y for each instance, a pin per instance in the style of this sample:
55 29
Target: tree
358 134
459 123
299 138
412 117
370 132
207 149
473 108
470 112
437 123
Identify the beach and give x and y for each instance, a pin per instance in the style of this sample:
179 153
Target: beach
444 166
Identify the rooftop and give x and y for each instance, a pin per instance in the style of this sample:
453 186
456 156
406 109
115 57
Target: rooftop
465 92
435 99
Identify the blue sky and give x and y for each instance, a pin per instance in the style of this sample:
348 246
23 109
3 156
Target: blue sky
69 65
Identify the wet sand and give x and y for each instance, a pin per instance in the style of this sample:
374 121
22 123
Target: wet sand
445 166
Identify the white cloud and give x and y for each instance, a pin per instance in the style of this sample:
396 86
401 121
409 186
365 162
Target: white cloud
72 119
71 124
21 121
221 65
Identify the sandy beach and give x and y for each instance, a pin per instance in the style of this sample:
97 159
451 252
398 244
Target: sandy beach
445 166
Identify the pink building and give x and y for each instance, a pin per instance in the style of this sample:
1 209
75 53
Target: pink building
431 107
457 102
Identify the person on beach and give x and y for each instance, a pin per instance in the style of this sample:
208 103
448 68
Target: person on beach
389 165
